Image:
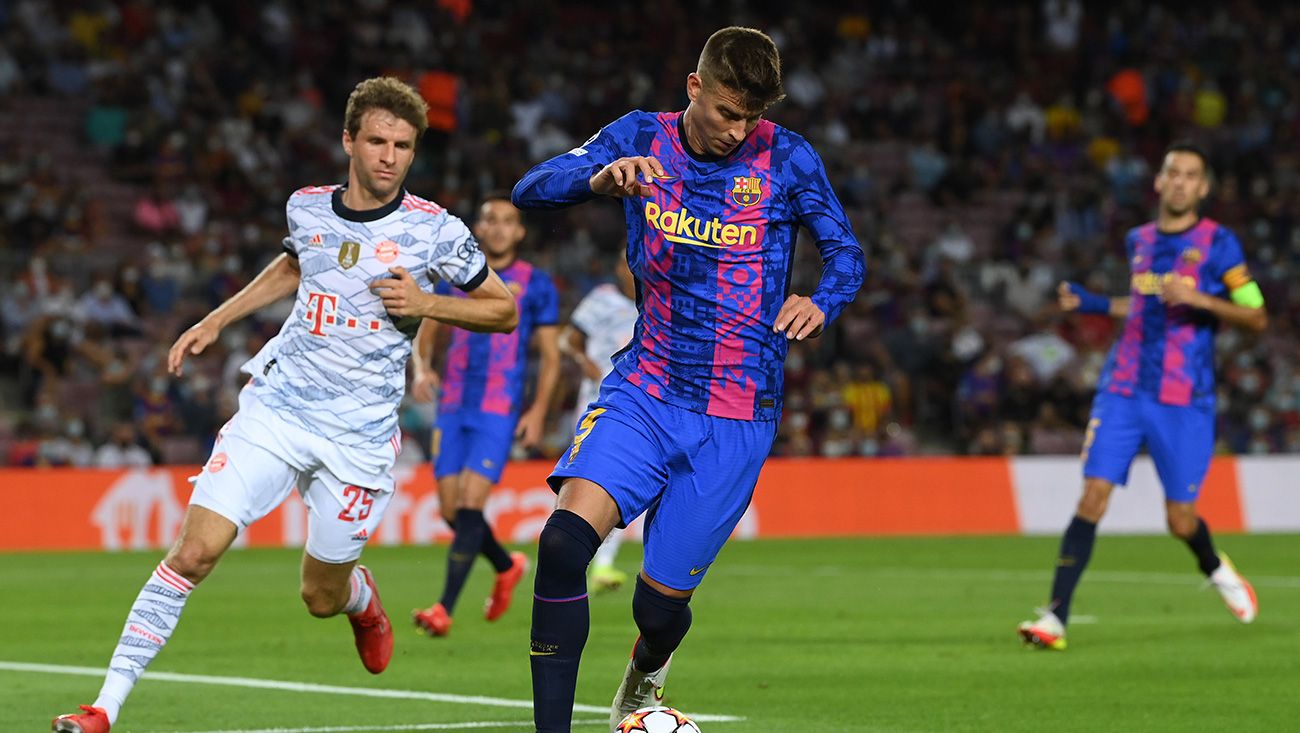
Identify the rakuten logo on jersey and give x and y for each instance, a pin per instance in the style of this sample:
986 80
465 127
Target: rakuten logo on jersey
321 308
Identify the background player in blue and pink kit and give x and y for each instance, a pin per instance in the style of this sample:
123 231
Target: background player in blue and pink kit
713 197
1157 388
480 411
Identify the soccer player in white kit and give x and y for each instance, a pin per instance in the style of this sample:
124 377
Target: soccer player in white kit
601 325
319 414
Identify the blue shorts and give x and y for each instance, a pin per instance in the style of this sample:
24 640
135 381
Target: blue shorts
469 439
1179 439
700 469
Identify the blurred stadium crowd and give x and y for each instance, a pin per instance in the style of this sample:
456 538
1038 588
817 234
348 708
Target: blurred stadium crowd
984 152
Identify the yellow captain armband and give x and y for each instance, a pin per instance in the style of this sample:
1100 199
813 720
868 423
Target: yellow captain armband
1248 295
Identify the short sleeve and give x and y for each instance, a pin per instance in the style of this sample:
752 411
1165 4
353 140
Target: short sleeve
1227 262
455 256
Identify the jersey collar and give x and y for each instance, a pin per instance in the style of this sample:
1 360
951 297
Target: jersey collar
364 215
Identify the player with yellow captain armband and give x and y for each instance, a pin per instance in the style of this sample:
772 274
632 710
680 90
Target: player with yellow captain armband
1158 386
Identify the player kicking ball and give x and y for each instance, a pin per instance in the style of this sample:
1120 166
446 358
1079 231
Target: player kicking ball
714 197
1157 388
319 414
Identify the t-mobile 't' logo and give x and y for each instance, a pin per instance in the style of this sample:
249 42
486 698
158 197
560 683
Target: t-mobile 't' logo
320 311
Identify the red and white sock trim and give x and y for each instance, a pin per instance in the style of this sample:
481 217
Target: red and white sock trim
173 578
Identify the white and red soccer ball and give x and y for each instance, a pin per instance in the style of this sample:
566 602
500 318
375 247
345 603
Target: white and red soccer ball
657 720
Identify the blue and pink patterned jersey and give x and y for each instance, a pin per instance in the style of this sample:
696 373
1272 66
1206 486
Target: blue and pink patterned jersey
1168 352
712 250
486 371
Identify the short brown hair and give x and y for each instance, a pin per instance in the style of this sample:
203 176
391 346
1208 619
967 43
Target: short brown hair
387 93
744 60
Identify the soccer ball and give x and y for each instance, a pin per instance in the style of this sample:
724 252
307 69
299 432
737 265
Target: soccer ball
657 720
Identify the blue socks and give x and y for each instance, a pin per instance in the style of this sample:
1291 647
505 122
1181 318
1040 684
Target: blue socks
470 528
1076 549
561 618
663 622
1203 547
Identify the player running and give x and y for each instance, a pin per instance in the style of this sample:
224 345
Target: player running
601 325
479 412
319 414
713 197
1157 388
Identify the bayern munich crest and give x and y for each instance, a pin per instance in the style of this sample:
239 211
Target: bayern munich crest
747 191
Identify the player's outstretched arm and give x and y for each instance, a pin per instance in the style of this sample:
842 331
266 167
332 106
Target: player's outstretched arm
489 307
570 178
277 280
1074 297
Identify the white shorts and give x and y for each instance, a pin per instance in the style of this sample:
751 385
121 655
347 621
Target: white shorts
258 459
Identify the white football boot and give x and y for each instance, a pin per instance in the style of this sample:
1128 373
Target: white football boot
1237 593
1045 633
638 690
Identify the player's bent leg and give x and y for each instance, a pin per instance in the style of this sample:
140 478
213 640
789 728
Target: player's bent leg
1237 593
204 537
560 615
341 518
663 616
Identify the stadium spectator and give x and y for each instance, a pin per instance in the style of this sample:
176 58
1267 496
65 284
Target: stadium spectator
982 117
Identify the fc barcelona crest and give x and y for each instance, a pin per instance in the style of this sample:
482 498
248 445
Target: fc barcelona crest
747 191
349 253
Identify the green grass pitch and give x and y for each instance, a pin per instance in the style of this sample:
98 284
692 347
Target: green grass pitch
884 635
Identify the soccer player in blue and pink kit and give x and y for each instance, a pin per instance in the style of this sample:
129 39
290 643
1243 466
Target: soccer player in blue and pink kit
714 197
1157 388
480 411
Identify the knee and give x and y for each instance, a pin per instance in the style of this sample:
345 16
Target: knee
192 560
1182 526
659 617
322 602
567 544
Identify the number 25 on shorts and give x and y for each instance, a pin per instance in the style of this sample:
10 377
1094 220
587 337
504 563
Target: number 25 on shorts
357 494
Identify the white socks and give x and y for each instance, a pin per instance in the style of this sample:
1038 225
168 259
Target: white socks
149 625
359 593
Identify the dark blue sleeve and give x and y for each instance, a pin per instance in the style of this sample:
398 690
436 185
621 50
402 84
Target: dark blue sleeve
1226 265
565 179
546 300
817 207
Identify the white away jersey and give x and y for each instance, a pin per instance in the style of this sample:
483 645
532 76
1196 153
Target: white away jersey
338 366
607 318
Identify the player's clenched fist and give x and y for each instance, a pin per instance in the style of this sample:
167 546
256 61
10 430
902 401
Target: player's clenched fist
400 293
620 177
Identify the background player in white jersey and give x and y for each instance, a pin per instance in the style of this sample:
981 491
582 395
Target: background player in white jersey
600 326
319 414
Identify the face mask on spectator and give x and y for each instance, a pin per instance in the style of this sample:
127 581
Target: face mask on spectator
1259 419
839 420
799 421
158 385
103 290
1249 383
74 428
